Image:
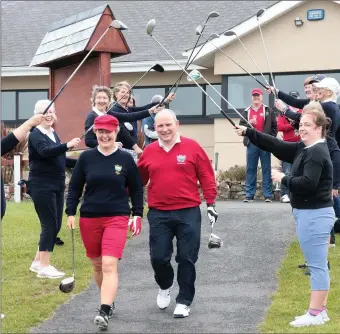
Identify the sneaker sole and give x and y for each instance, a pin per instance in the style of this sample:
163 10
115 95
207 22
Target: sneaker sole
54 277
100 323
34 270
178 316
309 325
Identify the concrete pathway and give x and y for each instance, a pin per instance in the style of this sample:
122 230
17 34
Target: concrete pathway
233 283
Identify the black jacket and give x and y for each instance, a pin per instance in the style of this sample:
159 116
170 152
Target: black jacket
270 123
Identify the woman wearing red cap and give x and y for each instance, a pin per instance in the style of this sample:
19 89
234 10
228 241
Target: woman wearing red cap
105 211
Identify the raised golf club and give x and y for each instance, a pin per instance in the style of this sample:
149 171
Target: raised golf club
114 24
234 61
195 75
67 284
232 33
156 68
258 15
149 29
211 15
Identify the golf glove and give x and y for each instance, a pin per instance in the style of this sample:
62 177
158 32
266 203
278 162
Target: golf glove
135 225
212 214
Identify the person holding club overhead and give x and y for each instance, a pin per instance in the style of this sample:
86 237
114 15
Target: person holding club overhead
174 164
310 187
111 177
101 100
46 185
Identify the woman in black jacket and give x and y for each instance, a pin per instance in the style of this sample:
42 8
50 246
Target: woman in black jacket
310 188
101 100
46 185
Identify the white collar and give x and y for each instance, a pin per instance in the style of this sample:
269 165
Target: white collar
44 131
264 107
167 149
99 113
106 155
328 100
316 142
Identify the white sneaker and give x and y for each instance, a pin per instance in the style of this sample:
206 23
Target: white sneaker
2 316
285 199
181 311
49 272
307 320
35 266
323 313
164 298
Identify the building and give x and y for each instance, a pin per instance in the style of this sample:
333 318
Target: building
300 38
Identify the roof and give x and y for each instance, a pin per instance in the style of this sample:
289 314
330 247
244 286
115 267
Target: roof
175 24
68 36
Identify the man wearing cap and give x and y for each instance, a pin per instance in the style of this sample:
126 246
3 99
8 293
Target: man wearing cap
105 212
262 119
174 164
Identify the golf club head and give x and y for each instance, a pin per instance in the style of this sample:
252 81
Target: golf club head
213 36
214 241
213 14
150 26
118 25
199 30
260 12
229 33
158 68
194 75
67 285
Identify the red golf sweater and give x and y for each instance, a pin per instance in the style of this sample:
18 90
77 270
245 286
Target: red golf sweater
173 175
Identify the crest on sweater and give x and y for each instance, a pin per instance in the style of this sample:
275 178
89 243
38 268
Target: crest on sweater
181 159
118 169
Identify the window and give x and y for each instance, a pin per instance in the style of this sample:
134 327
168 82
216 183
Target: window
239 90
188 101
18 106
211 108
143 96
289 83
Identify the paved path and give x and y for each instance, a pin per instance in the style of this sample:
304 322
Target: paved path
233 283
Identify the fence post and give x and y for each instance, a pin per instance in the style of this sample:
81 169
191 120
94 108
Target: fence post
17 176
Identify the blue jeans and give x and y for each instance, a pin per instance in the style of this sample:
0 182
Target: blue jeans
286 166
253 155
313 228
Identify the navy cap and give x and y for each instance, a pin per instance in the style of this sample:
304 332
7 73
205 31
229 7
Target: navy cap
294 94
317 78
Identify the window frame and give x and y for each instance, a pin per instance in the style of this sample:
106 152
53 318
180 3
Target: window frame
18 121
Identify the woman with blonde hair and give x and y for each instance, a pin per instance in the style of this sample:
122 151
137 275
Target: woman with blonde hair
46 185
101 101
310 187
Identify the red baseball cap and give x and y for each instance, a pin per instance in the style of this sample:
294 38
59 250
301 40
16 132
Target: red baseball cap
106 122
256 91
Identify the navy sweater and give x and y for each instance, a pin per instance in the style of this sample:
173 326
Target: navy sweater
311 176
47 159
109 182
90 137
8 143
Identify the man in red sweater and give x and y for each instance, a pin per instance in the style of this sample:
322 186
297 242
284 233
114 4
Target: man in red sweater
290 134
174 165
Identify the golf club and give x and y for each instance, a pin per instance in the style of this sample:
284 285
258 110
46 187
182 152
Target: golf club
67 284
196 75
149 29
214 240
232 33
235 62
156 67
114 24
258 15
211 15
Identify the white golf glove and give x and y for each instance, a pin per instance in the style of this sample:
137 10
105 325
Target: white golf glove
135 225
212 214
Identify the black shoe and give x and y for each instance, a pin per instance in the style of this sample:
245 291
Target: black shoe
307 272
111 310
328 265
59 242
332 242
102 320
302 266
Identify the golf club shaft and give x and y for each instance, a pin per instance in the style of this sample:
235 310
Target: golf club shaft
265 50
72 230
253 60
222 111
76 70
89 129
236 63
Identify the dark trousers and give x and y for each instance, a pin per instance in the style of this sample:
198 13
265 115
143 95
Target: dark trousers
49 204
185 225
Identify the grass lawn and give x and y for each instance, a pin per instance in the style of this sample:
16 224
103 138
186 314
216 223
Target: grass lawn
26 299
292 297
